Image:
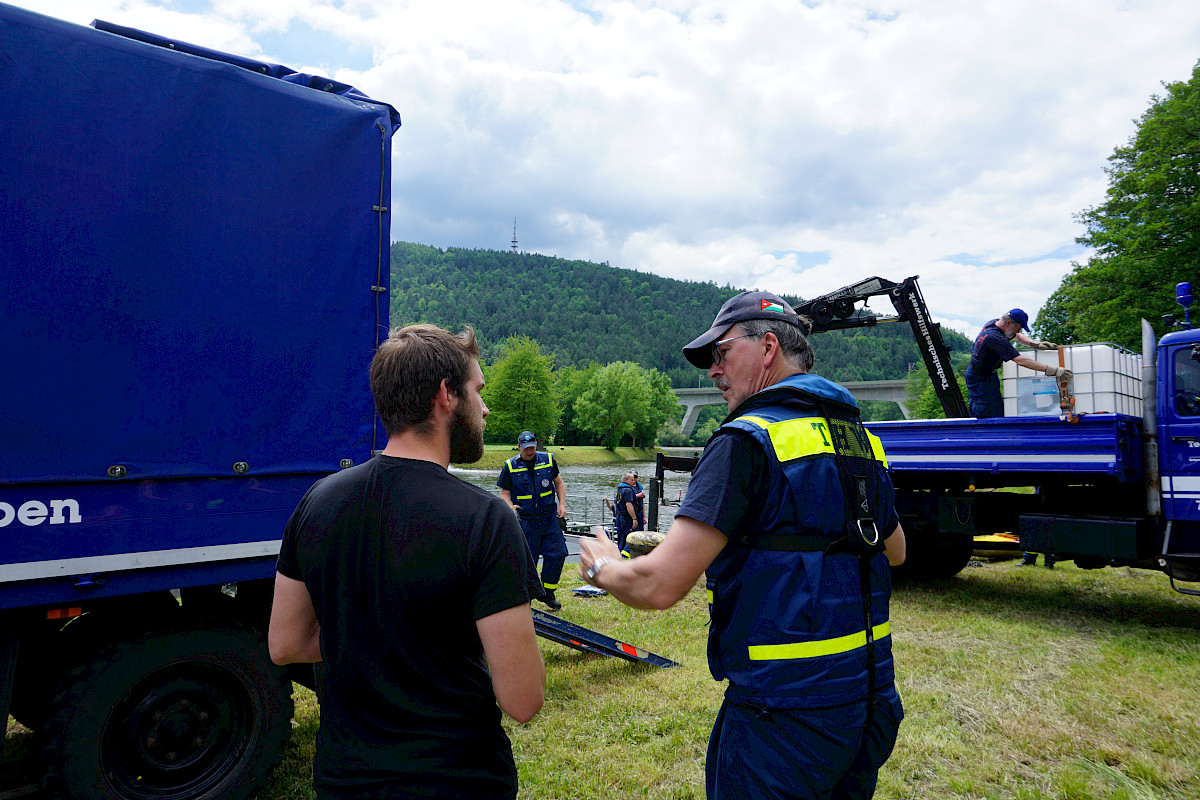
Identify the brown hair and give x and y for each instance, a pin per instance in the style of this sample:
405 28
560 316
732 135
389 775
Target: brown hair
408 369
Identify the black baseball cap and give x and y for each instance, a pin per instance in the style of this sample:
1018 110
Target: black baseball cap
526 439
739 308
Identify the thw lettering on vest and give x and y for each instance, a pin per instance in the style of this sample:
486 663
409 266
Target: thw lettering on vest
820 428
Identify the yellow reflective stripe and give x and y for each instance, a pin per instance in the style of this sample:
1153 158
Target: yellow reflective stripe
524 497
877 449
517 469
546 494
710 596
821 647
795 438
550 586
809 436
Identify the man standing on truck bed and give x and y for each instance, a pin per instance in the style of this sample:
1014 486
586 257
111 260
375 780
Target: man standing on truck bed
533 481
413 588
993 346
790 512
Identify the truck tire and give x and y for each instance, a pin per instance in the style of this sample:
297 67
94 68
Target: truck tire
935 557
176 713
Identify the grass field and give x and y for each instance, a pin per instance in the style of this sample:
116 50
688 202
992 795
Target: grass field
1018 682
495 455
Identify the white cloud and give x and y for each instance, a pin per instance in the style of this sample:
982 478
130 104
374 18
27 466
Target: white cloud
732 141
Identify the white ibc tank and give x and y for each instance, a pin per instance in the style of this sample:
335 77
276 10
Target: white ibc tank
1108 378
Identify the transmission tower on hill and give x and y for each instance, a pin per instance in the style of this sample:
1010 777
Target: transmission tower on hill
514 241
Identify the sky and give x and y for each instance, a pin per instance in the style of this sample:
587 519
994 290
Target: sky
790 146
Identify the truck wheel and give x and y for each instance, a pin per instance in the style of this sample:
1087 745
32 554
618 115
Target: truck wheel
935 557
197 713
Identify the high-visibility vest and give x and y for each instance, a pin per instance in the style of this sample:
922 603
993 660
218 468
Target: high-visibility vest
620 509
788 622
533 489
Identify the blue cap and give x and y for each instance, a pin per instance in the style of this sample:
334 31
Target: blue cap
1017 315
739 308
526 439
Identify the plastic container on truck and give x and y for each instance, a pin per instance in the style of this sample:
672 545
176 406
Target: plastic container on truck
1108 379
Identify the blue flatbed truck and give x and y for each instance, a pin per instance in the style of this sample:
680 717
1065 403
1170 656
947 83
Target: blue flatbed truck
1109 489
193 280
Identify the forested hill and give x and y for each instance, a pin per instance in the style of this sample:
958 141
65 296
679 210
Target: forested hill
583 312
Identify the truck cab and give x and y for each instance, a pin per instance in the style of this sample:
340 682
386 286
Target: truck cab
1179 423
1178 388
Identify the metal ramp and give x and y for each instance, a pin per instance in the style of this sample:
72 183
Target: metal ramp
578 637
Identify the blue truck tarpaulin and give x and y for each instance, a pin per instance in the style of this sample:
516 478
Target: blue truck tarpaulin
193 258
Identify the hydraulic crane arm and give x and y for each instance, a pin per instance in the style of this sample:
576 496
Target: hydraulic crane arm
838 310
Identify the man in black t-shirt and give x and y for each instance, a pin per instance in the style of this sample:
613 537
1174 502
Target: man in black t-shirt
412 588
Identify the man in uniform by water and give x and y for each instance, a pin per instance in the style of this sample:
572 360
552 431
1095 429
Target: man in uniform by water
624 510
531 484
639 501
790 512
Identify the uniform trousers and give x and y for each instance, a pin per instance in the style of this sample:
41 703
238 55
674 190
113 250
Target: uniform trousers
983 395
801 754
546 541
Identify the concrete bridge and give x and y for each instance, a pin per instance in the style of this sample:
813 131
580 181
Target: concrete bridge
695 399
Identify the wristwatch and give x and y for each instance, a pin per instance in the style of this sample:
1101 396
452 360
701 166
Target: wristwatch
596 566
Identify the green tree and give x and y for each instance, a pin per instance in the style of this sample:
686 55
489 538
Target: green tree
704 430
1146 233
707 421
520 392
671 435
923 402
661 406
569 385
617 401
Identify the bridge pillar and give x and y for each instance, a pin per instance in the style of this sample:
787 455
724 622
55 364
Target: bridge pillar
690 416
694 399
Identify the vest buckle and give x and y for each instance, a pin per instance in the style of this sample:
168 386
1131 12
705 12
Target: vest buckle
869 531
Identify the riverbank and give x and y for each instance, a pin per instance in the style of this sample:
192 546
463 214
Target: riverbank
494 455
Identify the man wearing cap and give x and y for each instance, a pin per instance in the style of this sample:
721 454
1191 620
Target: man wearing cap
993 346
790 515
625 511
530 483
639 501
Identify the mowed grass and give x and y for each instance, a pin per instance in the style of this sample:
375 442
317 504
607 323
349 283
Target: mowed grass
1018 682
494 455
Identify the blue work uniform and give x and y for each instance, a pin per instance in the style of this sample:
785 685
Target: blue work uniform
791 629
639 505
621 519
992 348
531 488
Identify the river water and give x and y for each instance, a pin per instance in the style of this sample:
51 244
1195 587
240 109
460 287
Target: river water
588 485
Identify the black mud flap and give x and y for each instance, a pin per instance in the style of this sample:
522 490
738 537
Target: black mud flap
578 637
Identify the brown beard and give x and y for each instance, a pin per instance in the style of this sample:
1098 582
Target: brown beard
466 436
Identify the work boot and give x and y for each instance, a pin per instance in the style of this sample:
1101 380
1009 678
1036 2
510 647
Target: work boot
551 601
